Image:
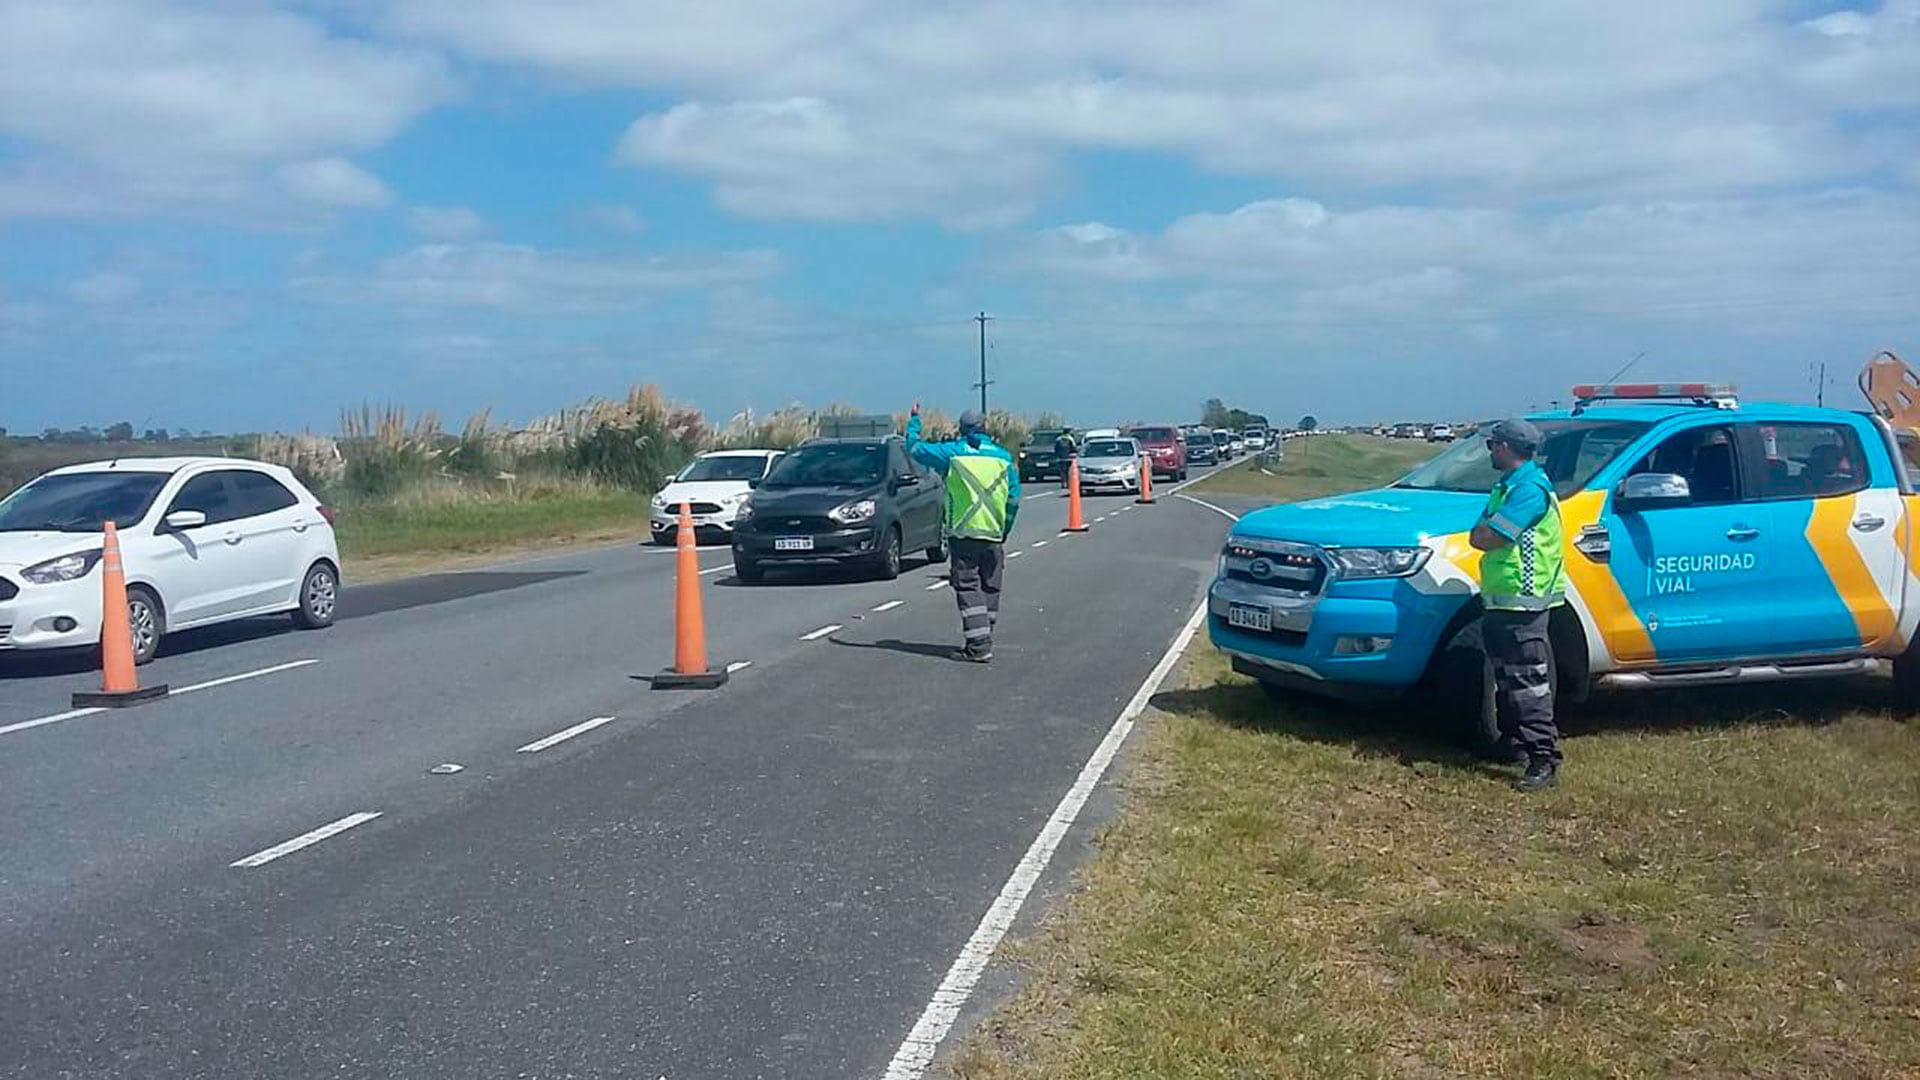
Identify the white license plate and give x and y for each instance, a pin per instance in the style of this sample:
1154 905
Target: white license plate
1250 617
793 543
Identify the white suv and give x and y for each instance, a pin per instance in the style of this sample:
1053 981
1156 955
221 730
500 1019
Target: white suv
203 540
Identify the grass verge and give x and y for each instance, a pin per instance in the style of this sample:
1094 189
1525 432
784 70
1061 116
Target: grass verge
1321 465
1725 885
389 540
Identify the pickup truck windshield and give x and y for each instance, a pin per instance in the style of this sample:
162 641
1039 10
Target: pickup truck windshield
860 464
80 502
1574 450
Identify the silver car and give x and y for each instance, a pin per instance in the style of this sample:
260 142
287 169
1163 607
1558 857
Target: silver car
1110 465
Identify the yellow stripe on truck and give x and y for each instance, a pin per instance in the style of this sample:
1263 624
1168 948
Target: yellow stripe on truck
1828 530
1625 635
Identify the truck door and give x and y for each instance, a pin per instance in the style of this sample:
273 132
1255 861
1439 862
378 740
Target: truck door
1835 520
1698 575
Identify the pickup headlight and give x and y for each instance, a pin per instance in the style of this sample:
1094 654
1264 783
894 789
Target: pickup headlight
854 513
1378 562
64 568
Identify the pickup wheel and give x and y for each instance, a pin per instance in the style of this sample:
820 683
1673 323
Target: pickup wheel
1464 679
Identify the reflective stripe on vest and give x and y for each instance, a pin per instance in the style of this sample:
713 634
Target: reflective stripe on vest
977 497
1530 573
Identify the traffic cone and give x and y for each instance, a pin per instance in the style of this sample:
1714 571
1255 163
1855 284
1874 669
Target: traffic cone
689 671
119 684
1076 522
1146 479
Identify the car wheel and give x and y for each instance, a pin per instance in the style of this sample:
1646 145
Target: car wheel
148 624
886 565
937 553
1464 678
665 539
319 597
749 571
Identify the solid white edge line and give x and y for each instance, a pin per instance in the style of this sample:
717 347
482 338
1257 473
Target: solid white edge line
75 714
889 605
559 737
917 1051
822 632
1222 511
307 839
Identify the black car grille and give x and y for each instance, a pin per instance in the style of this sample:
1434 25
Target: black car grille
8 590
706 508
796 524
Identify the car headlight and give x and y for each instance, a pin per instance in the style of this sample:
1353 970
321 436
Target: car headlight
64 568
1378 562
745 511
854 512
660 501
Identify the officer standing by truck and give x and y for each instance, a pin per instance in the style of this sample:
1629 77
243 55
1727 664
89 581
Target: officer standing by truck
1522 580
983 498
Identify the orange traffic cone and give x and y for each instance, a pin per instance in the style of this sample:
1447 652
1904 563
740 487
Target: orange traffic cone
119 684
1146 480
1076 522
689 670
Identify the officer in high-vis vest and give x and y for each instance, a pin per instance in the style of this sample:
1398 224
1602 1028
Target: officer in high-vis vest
1522 579
983 498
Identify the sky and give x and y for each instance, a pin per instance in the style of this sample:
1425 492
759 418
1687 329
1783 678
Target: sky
244 215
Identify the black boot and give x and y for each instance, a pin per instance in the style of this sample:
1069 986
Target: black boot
1542 773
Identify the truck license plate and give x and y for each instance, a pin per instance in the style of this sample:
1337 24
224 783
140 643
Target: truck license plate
793 543
1250 617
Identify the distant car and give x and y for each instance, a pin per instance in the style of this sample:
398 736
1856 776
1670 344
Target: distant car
1104 433
1440 433
859 502
1256 439
1236 443
1038 461
1110 465
202 540
1165 448
1200 448
1223 445
715 485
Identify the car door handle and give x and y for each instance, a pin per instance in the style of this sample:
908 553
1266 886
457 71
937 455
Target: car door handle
1868 522
1743 532
231 538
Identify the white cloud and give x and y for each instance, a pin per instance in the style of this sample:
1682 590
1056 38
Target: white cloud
107 287
126 105
446 222
335 182
514 277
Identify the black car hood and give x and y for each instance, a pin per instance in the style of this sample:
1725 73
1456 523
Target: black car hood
812 499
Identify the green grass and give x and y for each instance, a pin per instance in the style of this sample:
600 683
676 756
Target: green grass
486 525
1725 885
1322 465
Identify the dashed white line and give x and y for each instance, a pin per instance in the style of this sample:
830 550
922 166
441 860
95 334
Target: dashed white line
820 633
739 665
1015 554
559 737
936 585
1100 519
923 1042
716 569
889 605
304 840
75 714
1041 543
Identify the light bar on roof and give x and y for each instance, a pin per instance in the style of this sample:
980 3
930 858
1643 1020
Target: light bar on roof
1717 395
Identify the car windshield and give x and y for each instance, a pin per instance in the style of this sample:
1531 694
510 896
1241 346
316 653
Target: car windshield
80 502
727 467
1573 451
1120 448
1043 440
830 465
1153 434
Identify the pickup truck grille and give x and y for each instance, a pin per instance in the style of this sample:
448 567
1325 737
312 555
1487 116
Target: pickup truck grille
1277 564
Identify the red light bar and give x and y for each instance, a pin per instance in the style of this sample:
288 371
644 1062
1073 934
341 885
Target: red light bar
1623 391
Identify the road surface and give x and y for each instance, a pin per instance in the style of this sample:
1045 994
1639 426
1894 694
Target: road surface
264 877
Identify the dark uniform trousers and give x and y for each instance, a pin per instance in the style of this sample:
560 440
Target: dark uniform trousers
977 567
1522 658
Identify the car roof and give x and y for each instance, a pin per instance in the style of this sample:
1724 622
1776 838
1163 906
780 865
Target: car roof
856 440
161 465
741 453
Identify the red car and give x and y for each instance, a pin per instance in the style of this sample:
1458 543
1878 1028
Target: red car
1165 448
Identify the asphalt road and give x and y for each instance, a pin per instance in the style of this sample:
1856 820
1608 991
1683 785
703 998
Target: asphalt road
766 880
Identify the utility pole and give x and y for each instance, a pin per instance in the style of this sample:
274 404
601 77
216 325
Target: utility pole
1820 393
983 319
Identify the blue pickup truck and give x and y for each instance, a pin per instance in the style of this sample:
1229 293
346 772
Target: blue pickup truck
1708 542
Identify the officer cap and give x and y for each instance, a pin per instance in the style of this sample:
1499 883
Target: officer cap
1520 434
972 422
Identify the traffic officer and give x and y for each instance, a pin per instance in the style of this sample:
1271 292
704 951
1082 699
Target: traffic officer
1064 450
983 498
1522 580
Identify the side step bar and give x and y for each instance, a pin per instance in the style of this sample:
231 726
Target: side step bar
1774 671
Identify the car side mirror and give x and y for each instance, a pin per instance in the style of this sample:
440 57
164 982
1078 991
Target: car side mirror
1652 491
906 480
181 520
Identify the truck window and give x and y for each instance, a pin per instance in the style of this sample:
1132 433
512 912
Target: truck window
1705 457
1573 452
1809 461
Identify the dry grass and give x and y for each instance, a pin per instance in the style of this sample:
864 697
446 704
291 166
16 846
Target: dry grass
1321 465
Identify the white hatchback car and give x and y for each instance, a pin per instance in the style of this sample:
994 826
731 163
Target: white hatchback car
715 485
203 540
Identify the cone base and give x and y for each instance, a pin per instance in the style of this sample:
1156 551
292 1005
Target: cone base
1146 502
698 680
1081 529
101 699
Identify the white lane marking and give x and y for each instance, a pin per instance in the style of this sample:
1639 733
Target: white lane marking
1100 519
1015 554
739 665
936 585
559 737
716 569
820 633
75 714
889 605
923 1042
1041 543
1222 511
308 839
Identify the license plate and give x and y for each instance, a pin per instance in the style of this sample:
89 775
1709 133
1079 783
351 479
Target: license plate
1250 617
793 543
